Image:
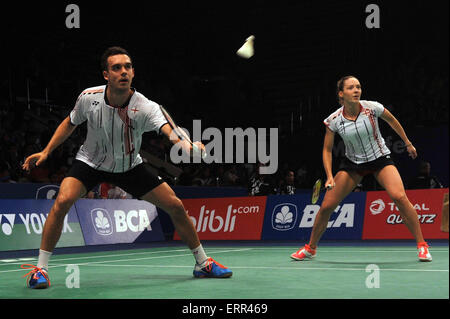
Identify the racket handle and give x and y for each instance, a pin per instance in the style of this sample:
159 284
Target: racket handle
197 150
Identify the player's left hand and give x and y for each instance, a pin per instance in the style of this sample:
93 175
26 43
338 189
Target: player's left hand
411 151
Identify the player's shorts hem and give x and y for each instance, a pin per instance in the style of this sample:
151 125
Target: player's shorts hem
366 168
138 181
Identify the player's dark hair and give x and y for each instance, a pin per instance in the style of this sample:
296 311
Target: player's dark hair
110 52
340 86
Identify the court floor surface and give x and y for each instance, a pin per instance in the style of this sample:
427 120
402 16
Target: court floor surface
260 271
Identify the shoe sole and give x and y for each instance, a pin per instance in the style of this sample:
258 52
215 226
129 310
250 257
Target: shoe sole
228 275
40 286
302 259
425 260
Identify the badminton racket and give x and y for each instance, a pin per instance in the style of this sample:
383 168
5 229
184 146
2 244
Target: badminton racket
180 132
317 188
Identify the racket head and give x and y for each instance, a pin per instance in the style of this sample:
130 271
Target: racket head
316 191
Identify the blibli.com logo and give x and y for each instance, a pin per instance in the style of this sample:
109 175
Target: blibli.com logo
208 220
134 220
284 216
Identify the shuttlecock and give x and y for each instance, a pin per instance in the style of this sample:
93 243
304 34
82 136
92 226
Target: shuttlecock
247 50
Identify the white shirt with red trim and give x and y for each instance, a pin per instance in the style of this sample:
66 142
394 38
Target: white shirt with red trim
114 134
362 137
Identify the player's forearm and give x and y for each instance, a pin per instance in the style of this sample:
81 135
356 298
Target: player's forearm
173 137
397 127
167 131
327 156
64 130
327 162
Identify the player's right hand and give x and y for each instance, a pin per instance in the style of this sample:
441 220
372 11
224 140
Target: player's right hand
329 184
34 160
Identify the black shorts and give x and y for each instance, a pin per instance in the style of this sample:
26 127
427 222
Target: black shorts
137 181
366 168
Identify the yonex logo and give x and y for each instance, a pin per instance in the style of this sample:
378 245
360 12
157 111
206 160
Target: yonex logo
7 223
284 216
102 221
377 206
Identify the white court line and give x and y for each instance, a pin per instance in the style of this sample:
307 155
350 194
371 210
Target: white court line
273 268
104 256
119 260
353 251
55 258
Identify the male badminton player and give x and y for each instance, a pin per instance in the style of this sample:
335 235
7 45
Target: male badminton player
117 116
365 153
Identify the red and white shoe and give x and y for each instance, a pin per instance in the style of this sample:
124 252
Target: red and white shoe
305 253
423 253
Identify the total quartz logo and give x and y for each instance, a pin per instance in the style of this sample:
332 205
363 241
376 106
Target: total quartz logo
377 206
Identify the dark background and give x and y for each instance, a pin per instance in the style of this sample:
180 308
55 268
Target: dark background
184 58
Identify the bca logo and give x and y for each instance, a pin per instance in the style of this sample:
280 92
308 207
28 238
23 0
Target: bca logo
377 207
284 216
102 221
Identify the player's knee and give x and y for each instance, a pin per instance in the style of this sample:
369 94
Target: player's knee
175 207
327 208
399 198
63 203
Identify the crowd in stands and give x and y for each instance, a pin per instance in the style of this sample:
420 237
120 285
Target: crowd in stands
21 135
24 131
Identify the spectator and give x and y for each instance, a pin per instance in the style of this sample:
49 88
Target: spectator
40 174
188 175
302 176
5 176
259 184
219 175
287 185
424 180
205 178
231 176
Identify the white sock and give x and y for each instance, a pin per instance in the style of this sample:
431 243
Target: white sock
199 254
44 257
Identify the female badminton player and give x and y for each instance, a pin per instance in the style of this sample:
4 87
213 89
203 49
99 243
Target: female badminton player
356 121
